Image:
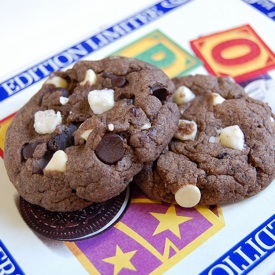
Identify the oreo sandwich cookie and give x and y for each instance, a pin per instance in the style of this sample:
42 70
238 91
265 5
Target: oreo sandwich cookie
75 225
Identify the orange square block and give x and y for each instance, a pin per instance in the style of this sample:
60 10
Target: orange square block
237 52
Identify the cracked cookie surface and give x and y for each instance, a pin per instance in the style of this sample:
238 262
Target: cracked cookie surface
88 131
223 150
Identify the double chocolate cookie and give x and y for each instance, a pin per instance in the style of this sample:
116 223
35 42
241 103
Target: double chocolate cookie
223 150
88 131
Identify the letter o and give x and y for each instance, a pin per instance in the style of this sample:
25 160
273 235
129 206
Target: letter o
63 60
253 53
220 269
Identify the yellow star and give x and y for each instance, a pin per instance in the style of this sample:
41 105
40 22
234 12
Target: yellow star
121 260
169 221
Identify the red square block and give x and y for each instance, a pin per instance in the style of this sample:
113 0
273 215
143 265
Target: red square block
238 52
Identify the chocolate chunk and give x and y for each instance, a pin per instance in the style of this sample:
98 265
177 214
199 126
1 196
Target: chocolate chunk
64 92
222 155
77 124
118 81
71 84
153 133
28 149
40 164
125 135
110 149
134 110
62 141
160 92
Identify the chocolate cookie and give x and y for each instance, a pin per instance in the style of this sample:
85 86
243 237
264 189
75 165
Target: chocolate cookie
75 225
223 150
88 131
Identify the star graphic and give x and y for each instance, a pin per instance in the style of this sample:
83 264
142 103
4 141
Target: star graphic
169 221
121 260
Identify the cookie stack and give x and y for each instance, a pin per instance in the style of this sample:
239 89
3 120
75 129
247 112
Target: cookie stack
91 130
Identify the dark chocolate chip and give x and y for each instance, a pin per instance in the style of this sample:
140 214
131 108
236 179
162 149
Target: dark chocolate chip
160 92
125 135
62 141
152 132
71 84
131 101
40 164
134 111
28 150
110 149
117 81
77 123
222 155
64 92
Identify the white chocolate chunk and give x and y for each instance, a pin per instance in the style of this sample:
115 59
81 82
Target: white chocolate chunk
146 126
183 95
188 196
57 81
57 162
46 121
271 119
63 100
231 79
86 134
111 127
89 77
214 139
232 137
217 99
187 130
101 100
